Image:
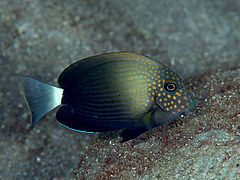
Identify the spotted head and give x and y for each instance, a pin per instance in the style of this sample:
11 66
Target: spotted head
172 95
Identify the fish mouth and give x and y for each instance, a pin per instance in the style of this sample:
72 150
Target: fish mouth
182 114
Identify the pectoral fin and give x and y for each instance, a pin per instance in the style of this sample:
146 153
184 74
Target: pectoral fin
129 134
147 120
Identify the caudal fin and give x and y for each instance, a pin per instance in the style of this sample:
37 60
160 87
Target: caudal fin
41 97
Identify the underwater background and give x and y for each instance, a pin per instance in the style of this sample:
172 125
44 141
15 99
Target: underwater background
199 40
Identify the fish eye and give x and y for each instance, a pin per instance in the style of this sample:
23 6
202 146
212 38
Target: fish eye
170 86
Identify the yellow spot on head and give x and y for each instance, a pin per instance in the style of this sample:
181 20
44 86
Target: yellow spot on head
179 101
153 67
178 110
159 85
184 97
170 107
167 76
154 83
164 94
167 109
149 89
175 106
152 98
172 102
169 96
159 94
187 104
165 104
160 100
178 94
161 66
161 89
154 87
165 99
173 77
181 90
182 106
174 97
185 93
153 93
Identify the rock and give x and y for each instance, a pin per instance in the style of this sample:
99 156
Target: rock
202 145
41 38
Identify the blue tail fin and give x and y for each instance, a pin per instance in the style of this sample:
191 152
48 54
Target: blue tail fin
41 97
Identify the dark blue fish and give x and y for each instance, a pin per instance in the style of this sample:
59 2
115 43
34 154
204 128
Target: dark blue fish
110 92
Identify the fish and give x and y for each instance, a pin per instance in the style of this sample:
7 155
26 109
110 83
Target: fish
111 92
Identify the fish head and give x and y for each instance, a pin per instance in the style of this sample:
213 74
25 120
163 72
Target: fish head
173 96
